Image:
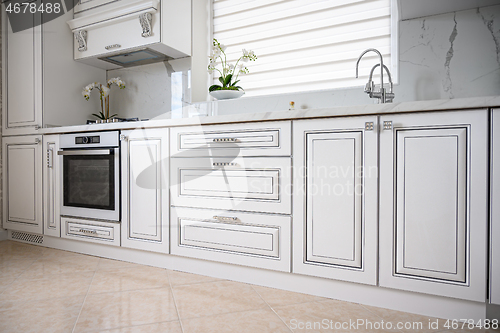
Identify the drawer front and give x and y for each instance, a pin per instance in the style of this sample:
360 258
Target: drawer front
249 184
120 36
91 231
255 139
249 239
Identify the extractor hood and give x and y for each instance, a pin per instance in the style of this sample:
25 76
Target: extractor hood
128 33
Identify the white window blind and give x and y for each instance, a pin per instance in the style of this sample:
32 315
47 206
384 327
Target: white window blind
303 45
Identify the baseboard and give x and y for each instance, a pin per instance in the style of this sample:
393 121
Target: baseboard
3 234
422 304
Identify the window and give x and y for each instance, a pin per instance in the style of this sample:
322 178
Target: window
305 45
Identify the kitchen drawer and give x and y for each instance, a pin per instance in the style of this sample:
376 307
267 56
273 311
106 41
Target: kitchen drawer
249 184
250 139
91 231
249 239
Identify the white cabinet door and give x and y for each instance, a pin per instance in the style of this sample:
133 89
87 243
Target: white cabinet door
22 75
52 177
495 209
22 183
433 203
335 198
145 218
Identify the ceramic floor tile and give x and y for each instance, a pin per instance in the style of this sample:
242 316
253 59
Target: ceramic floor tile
136 278
277 297
54 286
16 250
330 316
13 268
261 321
413 322
54 316
168 327
124 309
206 299
110 264
180 278
63 265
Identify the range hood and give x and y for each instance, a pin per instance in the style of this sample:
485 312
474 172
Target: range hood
129 33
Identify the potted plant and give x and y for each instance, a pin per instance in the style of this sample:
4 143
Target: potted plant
228 75
103 115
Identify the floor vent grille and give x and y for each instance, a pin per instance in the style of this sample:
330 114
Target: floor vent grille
38 239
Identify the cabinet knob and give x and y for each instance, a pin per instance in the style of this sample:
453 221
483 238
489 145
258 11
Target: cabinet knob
387 125
37 140
123 137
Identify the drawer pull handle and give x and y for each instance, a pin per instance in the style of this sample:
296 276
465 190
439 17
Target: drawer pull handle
225 218
223 164
86 231
225 140
113 46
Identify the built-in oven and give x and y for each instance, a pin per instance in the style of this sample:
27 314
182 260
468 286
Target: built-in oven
91 175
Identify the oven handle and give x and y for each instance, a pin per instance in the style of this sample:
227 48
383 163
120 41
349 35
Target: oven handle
85 152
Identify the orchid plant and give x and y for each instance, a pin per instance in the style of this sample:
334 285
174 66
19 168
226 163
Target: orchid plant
229 73
103 95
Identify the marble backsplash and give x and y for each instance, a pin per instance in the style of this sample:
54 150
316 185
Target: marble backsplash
443 56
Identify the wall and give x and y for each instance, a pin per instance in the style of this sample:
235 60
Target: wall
444 56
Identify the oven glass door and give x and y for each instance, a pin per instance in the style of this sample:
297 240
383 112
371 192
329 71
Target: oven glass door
91 184
89 181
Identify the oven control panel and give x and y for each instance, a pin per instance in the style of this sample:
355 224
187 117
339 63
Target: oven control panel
79 140
90 140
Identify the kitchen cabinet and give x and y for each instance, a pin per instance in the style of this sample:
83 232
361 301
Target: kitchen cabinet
258 184
250 239
145 190
22 74
335 198
52 178
101 232
495 209
248 139
433 203
42 83
22 183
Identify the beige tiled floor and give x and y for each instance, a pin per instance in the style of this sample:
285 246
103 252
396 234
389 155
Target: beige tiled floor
47 290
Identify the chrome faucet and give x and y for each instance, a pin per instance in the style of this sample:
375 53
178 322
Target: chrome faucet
370 89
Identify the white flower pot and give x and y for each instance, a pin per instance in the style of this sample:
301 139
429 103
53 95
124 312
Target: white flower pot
227 94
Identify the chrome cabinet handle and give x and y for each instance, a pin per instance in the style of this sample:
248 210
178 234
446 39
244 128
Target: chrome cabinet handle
225 218
222 164
50 157
387 125
86 231
225 140
112 46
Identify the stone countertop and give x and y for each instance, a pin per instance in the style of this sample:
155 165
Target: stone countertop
370 109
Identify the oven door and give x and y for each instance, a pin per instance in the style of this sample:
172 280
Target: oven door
91 184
